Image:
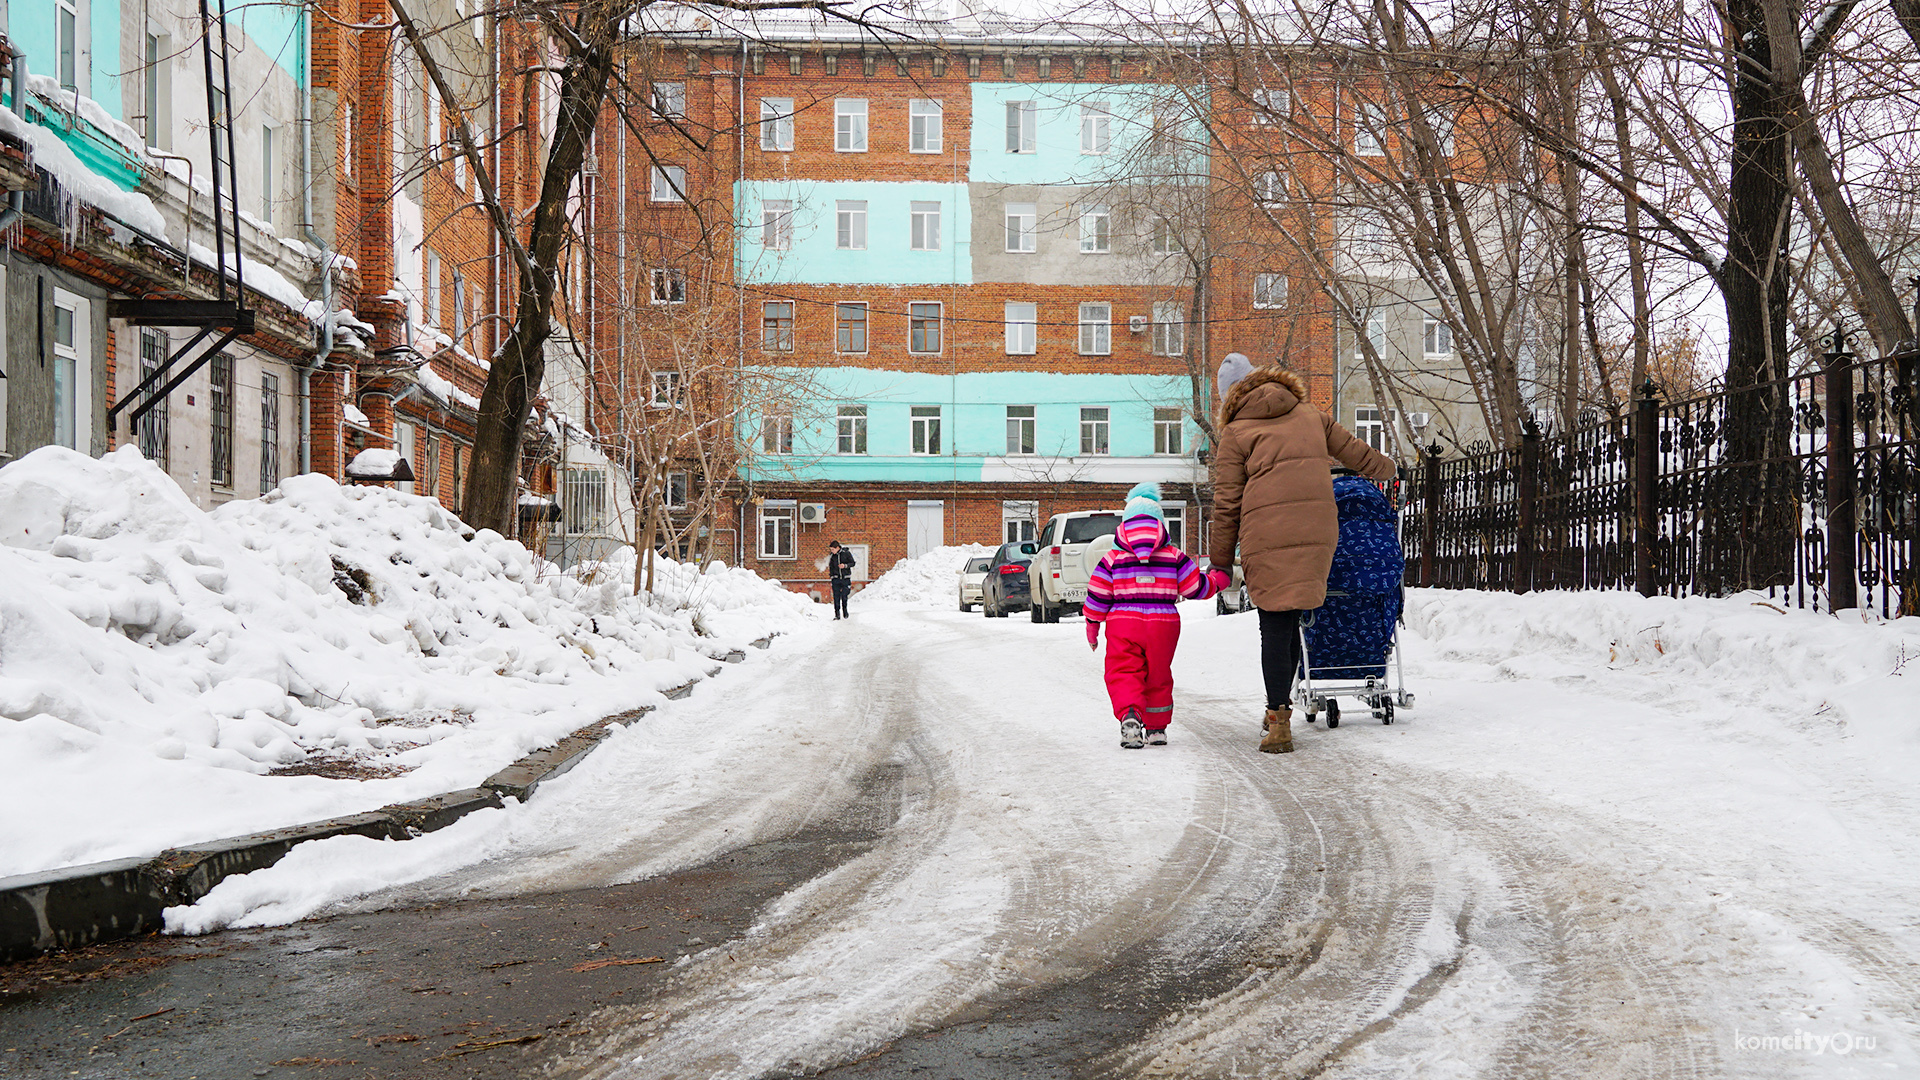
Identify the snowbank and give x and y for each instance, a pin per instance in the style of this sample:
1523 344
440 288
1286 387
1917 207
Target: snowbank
924 581
162 668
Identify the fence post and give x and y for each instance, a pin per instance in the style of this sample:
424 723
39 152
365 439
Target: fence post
1842 582
1526 496
1646 486
1430 521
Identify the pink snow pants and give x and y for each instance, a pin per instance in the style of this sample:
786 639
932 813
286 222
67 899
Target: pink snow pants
1140 668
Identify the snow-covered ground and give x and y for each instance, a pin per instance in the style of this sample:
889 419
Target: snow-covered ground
168 675
1616 837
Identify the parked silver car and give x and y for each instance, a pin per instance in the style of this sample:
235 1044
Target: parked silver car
971 576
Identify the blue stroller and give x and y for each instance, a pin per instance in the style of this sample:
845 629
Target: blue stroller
1350 644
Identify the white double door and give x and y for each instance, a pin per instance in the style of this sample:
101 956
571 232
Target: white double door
926 526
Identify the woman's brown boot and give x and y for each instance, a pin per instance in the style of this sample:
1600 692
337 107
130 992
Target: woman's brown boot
1279 737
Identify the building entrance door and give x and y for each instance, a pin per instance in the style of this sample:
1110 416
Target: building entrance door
926 526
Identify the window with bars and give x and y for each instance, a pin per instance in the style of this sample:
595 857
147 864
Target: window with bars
1166 431
220 417
270 433
1095 423
776 326
152 429
923 328
583 501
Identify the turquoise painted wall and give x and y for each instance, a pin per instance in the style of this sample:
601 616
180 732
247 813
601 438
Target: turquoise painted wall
889 259
1057 158
973 420
30 26
277 27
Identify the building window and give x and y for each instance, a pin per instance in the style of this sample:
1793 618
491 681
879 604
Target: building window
776 433
850 225
1176 518
1094 423
1164 138
850 328
1021 127
668 391
1271 106
850 125
1023 227
459 478
66 48
1096 329
403 441
776 326
923 328
670 100
776 224
1376 335
583 501
220 416
669 183
1096 127
1166 431
776 123
432 475
269 176
346 139
1169 328
923 127
270 433
1271 188
1096 230
1369 122
926 429
1020 429
669 285
1369 427
1437 338
776 532
1023 322
1269 290
1166 238
1371 237
673 491
1017 521
853 429
431 317
152 430
158 85
1442 125
925 226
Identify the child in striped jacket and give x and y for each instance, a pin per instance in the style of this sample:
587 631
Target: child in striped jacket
1134 590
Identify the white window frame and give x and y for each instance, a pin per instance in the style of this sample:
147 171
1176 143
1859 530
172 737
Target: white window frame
1096 328
850 125
669 285
583 501
1022 127
1436 338
1096 230
1019 520
850 224
1023 434
1369 130
778 525
669 184
77 356
925 126
673 495
1166 238
1096 430
1376 334
1270 188
1023 328
1023 228
1096 128
269 173
776 124
435 296
850 430
1269 290
776 224
69 56
1169 328
668 390
1169 430
1175 514
157 87
1370 426
776 433
669 100
925 420
924 226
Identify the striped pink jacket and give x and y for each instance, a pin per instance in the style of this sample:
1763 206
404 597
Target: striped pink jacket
1144 576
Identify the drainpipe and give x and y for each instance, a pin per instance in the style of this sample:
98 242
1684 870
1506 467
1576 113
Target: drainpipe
16 200
313 238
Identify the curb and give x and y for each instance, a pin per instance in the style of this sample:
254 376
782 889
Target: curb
75 906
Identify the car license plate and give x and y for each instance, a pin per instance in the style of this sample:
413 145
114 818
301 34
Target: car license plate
1074 595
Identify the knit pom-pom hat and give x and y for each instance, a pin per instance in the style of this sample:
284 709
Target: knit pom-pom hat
1144 501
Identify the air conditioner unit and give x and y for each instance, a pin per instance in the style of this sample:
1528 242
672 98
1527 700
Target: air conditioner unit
812 513
1137 324
1418 421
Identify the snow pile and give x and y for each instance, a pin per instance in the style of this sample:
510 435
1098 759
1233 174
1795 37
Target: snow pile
159 663
927 580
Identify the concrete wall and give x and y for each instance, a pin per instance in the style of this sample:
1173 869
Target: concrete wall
30 357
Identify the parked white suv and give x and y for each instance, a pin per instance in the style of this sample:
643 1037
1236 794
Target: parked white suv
1070 546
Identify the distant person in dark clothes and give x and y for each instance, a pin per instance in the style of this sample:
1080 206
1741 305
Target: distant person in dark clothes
840 574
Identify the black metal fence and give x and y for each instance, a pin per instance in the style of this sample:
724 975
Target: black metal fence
1729 491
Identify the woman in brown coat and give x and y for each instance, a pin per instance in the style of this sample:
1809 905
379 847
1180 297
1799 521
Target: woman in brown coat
1273 496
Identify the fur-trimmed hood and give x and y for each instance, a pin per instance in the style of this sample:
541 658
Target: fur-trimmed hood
1267 391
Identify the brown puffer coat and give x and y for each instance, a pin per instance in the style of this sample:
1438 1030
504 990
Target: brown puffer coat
1273 488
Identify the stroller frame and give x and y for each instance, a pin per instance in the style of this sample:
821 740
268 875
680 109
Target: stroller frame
1383 694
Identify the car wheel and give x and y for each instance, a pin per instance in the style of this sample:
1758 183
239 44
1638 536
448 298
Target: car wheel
1037 610
1220 604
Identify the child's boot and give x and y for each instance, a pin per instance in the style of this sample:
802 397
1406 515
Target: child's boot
1133 733
1157 737
1279 736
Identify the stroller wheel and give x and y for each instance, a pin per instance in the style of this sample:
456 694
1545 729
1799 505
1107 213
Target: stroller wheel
1333 713
1386 710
